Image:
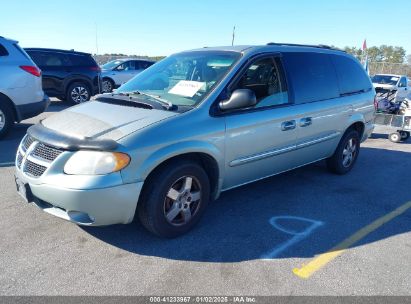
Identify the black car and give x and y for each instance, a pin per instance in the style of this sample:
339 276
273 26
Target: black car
67 75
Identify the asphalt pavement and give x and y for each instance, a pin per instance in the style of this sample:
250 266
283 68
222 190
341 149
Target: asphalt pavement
248 242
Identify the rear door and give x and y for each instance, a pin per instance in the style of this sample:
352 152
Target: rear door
124 72
54 67
322 112
260 141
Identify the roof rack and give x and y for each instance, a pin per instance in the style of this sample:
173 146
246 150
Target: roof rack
320 46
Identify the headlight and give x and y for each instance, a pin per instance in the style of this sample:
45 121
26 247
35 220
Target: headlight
96 163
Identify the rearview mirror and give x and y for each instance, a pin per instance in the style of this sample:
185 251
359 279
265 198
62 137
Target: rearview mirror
240 98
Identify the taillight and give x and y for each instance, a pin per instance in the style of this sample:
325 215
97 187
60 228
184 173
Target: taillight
95 68
33 70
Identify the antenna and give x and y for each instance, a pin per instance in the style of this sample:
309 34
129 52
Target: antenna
96 39
232 41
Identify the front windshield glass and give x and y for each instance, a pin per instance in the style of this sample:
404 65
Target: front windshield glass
111 64
385 79
183 79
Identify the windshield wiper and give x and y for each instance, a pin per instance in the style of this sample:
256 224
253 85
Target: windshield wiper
165 103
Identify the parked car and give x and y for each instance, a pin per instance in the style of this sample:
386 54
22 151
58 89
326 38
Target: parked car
21 95
392 83
193 125
119 71
67 75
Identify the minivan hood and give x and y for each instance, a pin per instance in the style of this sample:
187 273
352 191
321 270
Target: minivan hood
98 120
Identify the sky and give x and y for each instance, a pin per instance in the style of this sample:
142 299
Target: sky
163 27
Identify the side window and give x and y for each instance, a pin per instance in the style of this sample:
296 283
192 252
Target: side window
266 79
403 82
126 66
142 65
313 76
3 51
49 59
81 60
39 58
351 75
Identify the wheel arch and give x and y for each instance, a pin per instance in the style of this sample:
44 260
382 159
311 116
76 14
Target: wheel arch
208 161
70 81
5 98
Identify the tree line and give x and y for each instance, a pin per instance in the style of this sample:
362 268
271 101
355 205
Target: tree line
383 53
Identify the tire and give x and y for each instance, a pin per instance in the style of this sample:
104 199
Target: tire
6 118
404 135
346 154
78 92
164 195
395 137
107 85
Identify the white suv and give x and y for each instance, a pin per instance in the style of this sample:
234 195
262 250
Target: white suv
21 93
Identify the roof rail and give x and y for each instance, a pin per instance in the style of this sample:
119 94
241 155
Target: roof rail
320 46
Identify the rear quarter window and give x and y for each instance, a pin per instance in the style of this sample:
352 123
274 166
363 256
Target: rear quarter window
312 76
3 51
81 60
351 76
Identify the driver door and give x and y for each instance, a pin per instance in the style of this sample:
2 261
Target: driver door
260 141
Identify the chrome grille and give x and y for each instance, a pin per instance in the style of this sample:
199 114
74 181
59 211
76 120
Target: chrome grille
34 157
46 152
19 159
27 141
34 169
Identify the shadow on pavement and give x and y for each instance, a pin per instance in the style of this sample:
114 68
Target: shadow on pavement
312 210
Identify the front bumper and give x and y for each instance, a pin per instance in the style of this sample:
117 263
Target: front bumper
84 200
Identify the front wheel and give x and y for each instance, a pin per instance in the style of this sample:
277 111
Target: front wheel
174 199
346 154
107 85
395 137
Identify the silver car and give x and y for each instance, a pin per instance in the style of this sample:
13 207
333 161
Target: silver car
119 71
193 125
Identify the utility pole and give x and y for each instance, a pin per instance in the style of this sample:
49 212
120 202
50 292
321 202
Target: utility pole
232 41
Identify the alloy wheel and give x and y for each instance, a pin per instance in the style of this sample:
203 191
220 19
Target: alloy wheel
107 87
349 152
2 120
79 94
182 201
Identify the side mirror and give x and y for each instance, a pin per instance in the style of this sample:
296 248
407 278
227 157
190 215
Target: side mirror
240 98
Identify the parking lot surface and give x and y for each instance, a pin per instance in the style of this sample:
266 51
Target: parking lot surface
249 241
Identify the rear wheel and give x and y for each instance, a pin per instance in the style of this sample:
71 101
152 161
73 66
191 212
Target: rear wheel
77 93
404 135
395 137
6 118
346 154
174 199
107 85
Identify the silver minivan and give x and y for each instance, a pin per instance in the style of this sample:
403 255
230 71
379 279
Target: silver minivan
197 123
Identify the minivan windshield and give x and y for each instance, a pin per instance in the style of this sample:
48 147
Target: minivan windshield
183 79
385 79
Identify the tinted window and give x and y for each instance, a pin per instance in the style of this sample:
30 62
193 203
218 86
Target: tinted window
126 66
3 51
49 59
81 60
265 78
142 65
351 75
403 82
313 76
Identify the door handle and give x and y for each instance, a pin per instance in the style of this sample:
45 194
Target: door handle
288 125
306 121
